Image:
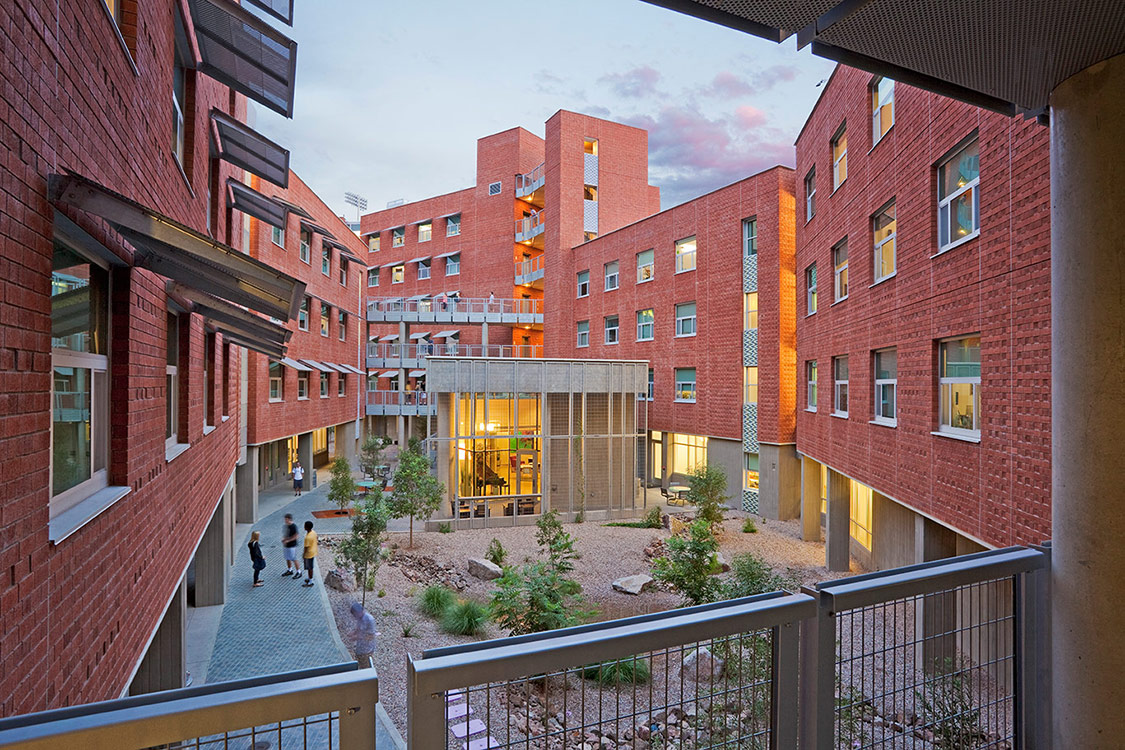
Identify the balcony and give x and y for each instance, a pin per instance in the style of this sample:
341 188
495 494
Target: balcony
529 228
393 355
529 186
400 403
455 310
530 271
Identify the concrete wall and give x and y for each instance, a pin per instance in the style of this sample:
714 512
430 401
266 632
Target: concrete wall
779 482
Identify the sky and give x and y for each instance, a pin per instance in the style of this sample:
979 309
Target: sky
392 95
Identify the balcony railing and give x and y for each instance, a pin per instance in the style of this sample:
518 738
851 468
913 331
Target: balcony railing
383 351
529 226
449 309
406 403
526 184
530 270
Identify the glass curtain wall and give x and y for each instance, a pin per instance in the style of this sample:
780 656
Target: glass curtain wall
499 441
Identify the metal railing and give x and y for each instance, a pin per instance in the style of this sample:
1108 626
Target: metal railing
456 305
321 708
529 226
396 351
399 398
530 270
526 184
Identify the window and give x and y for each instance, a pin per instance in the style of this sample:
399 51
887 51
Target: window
589 192
840 386
750 385
303 315
179 107
208 378
341 384
583 283
342 325
453 265
590 146
172 381
453 225
372 277
886 386
750 310
882 108
398 273
810 289
958 197
651 384
277 382
398 236
959 383
810 379
749 237
343 270
494 188
685 319
80 378
424 269
840 270
611 329
276 234
325 259
685 384
373 243
810 194
587 236
325 316
840 157
860 525
583 333
645 324
646 266
372 383
688 452
750 477
685 254
612 277
425 231
884 228
324 385
305 246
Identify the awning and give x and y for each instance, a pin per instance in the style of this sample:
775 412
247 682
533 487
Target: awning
251 202
334 366
446 216
454 293
446 334
391 229
274 352
245 53
416 336
182 254
289 362
231 318
317 228
392 263
420 221
250 150
389 337
293 207
372 233
316 365
282 10
446 255
344 249
389 374
417 297
417 373
356 370
418 259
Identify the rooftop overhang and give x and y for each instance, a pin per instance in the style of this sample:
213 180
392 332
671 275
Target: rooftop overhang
293 207
294 364
1007 56
252 203
344 249
247 149
316 228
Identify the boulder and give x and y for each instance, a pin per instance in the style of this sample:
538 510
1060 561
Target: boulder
485 570
702 665
340 580
632 584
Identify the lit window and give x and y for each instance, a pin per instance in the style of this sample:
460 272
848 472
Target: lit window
303 315
587 236
425 231
645 324
341 384
424 269
302 386
749 237
325 259
886 386
589 192
114 8
840 157
583 333
810 289
810 379
860 525
840 386
305 246
325 317
810 194
398 236
453 225
685 384
172 381
750 471
398 274
276 234
611 329
179 107
324 385
750 385
884 228
583 283
750 310
343 270
590 146
685 254
277 382
959 197
646 266
882 108
373 243
612 277
453 265
342 325
688 452
372 277
840 270
685 319
959 383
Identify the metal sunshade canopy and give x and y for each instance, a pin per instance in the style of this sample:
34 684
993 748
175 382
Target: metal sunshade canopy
249 201
250 150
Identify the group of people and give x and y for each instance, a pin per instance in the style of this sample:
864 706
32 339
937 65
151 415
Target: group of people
289 541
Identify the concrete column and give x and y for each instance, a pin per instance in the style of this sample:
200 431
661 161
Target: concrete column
1088 405
484 337
305 456
212 570
163 666
838 549
938 611
246 487
810 499
345 441
779 482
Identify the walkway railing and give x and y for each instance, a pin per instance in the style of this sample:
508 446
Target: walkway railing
526 184
456 305
529 226
395 351
530 270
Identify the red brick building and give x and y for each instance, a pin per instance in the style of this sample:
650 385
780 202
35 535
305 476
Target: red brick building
120 347
923 265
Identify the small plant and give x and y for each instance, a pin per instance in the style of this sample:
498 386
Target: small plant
687 566
750 575
653 518
558 544
445 527
435 600
622 672
496 552
407 629
465 617
580 516
749 527
947 706
382 593
707 491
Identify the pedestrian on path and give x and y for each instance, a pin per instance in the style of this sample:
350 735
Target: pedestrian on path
289 547
310 552
298 478
256 556
364 635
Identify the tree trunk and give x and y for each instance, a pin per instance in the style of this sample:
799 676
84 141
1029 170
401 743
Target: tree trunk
411 536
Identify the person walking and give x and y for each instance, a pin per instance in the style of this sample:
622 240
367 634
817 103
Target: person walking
289 547
310 553
364 634
256 556
298 478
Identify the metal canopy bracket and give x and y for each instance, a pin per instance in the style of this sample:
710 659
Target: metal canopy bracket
250 150
242 321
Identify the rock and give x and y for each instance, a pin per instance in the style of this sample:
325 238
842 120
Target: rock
486 570
340 580
718 564
632 584
701 665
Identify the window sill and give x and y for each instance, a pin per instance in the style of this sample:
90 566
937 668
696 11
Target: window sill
645 281
682 401
612 343
836 302
455 234
685 270
452 273
641 341
277 401
842 182
811 411
839 414
884 423
226 417
208 429
957 244
613 289
684 336
885 278
302 398
171 452
183 174
809 315
881 138
121 41
70 521
962 438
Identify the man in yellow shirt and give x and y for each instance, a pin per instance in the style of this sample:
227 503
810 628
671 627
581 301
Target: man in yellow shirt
310 552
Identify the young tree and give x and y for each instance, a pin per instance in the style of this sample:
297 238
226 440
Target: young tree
417 493
707 491
688 564
360 551
556 543
371 454
341 489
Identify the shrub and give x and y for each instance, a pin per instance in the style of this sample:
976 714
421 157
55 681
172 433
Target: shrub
382 593
341 488
465 617
707 491
653 519
687 566
496 552
436 600
749 527
633 671
445 527
948 706
536 598
750 575
556 543
407 629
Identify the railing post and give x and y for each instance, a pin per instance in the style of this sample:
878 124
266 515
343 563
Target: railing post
1033 657
425 714
357 725
784 714
817 680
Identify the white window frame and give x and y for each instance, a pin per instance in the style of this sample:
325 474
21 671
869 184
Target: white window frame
945 404
687 259
651 392
612 329
583 339
398 236
810 194
373 242
279 381
840 161
877 106
840 270
646 271
612 275
646 328
945 213
880 244
303 314
453 225
372 273
428 234
179 127
750 237
325 259
277 235
325 318
423 269
324 385
341 325
840 386
343 273
305 247
172 403
341 385
682 386
398 273
453 265
583 284
810 290
686 325
750 311
750 384
810 382
881 384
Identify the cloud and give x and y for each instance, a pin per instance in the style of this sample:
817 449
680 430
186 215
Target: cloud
633 84
750 117
727 84
730 85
